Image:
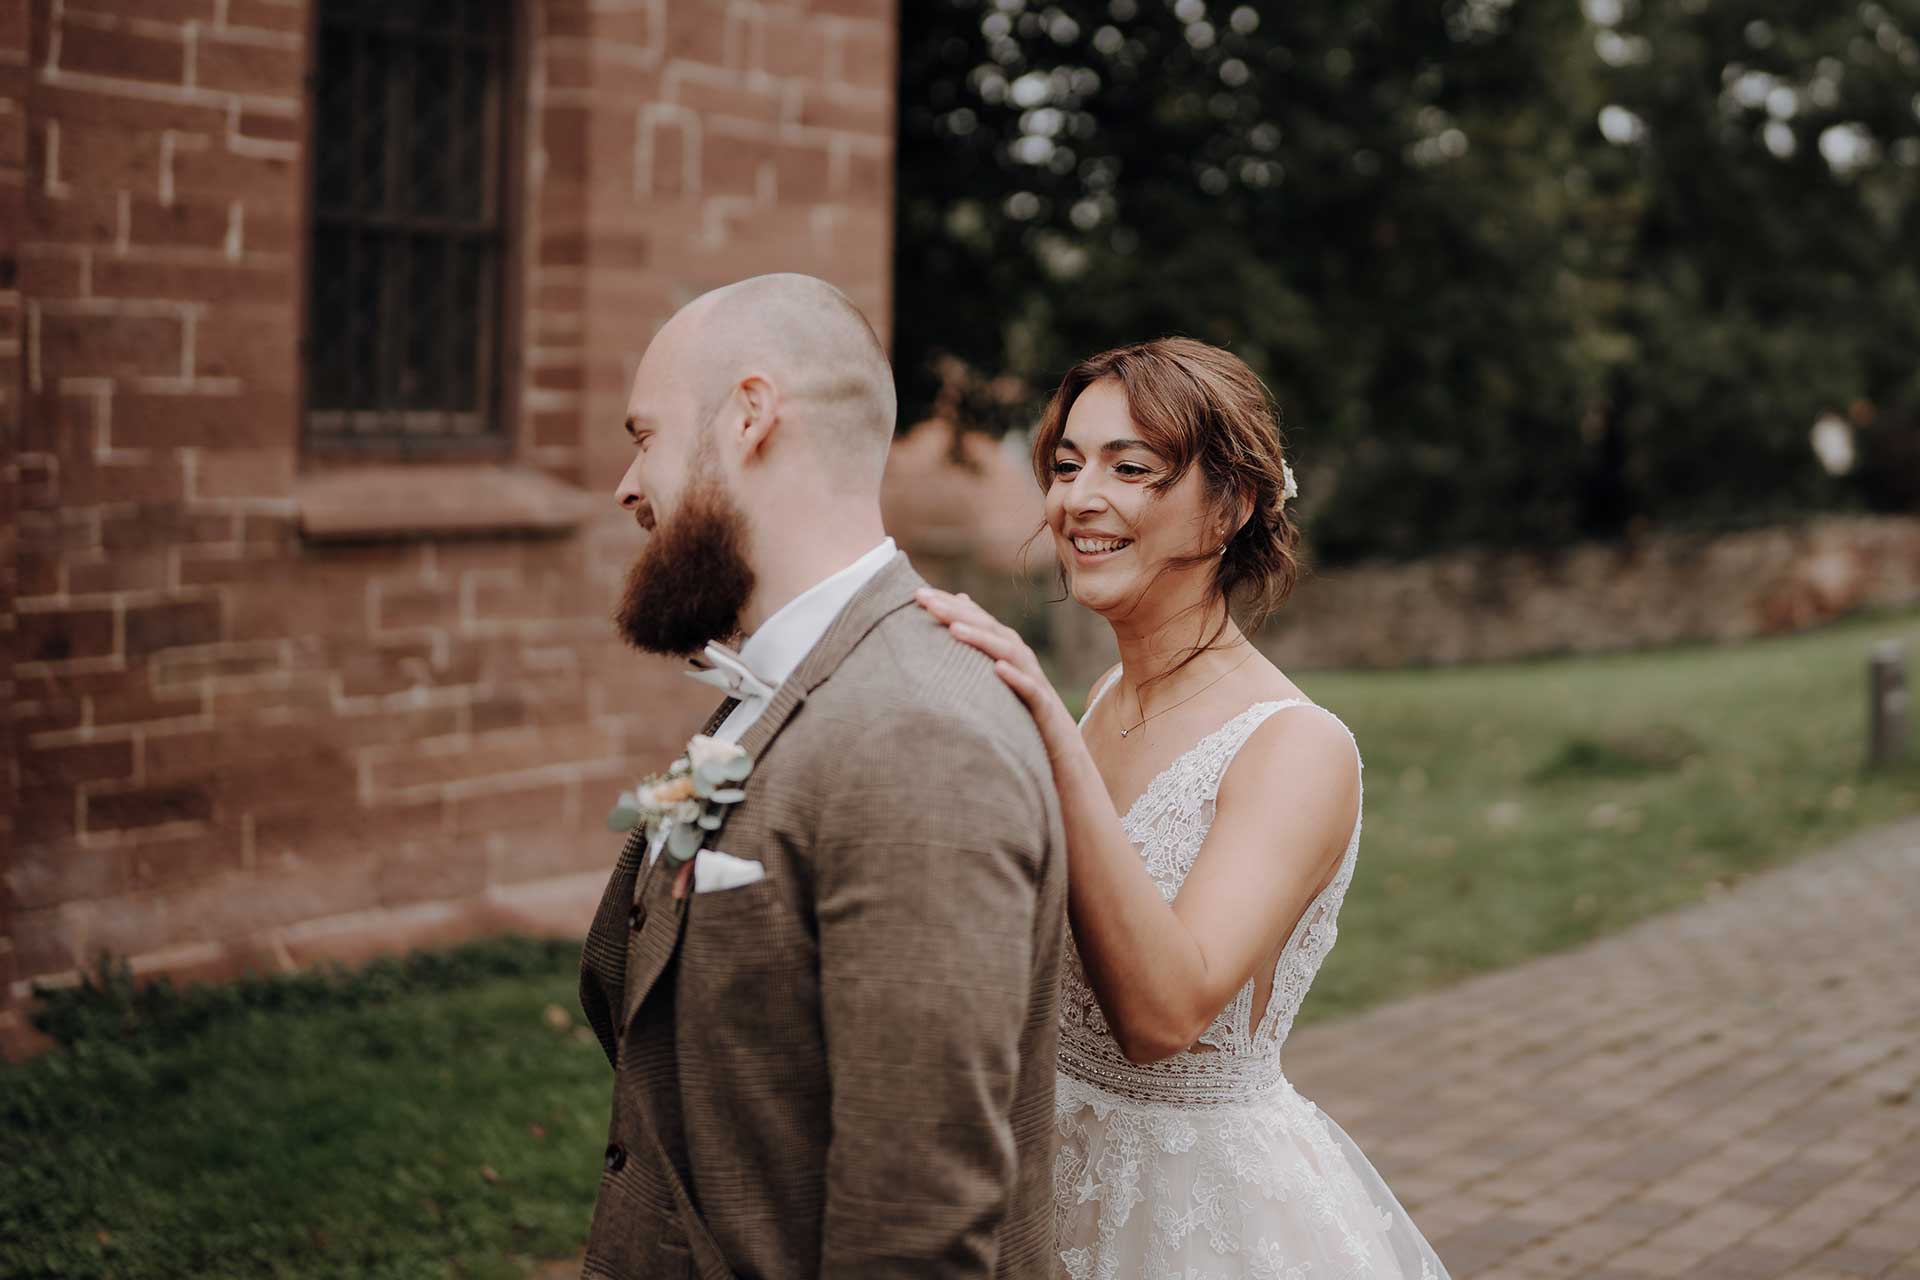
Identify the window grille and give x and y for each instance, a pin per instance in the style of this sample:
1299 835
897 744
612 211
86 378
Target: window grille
403 333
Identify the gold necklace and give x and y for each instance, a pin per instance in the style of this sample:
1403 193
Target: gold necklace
1196 693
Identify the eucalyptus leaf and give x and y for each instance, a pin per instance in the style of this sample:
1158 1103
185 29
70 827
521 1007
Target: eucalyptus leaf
711 821
732 795
736 769
683 842
623 818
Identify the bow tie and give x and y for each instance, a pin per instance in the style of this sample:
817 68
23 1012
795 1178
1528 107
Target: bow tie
722 668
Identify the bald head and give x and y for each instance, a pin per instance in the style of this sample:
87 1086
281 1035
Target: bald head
812 343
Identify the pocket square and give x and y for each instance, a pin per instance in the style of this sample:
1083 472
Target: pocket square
714 871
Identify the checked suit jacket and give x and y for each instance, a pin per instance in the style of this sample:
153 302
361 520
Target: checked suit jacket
845 1068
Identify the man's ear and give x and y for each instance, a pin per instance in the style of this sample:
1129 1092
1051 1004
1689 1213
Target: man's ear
758 403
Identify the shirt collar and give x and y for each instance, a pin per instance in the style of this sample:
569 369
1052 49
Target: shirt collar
773 651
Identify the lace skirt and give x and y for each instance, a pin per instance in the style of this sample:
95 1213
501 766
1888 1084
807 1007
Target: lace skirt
1264 1190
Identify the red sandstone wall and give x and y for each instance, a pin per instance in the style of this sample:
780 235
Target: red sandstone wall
13 163
236 746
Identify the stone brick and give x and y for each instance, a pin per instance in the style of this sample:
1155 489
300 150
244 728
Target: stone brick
244 473
217 280
121 810
76 762
877 11
177 860
334 831
267 15
165 420
217 175
48 272
46 875
79 218
101 105
488 755
150 628
802 172
484 812
793 45
135 704
416 604
57 635
121 53
181 11
866 57
269 126
564 134
246 66
147 523
256 343
146 569
731 166
148 480
110 157
696 33
865 113
195 225
105 344
729 98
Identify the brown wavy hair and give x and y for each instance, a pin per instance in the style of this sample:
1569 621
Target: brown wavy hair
1200 406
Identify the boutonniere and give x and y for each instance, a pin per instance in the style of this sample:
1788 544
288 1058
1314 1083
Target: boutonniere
689 799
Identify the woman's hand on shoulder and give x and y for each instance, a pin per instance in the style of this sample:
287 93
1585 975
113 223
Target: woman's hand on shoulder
1013 660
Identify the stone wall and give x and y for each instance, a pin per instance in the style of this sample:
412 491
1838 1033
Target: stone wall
1662 589
266 709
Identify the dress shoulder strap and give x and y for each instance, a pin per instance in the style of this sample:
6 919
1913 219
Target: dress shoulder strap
1236 733
1113 678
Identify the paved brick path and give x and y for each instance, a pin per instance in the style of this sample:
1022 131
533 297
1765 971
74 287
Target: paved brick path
1729 1091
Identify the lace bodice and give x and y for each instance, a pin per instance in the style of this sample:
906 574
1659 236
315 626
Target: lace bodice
1168 824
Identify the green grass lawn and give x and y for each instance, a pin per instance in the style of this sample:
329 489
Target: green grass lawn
1523 808
444 1116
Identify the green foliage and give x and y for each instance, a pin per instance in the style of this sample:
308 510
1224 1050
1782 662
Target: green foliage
1490 321
426 1116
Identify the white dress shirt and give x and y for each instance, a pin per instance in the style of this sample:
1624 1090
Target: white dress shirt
773 651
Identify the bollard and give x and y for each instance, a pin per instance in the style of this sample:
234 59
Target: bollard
1887 704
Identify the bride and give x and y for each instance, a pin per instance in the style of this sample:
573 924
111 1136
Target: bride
1213 817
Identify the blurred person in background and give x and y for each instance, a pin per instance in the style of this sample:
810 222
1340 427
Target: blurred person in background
1212 822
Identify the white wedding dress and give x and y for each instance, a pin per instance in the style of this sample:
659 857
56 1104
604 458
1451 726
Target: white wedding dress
1208 1165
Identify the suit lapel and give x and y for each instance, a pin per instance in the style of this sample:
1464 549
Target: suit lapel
888 590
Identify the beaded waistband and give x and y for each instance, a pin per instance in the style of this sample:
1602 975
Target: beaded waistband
1187 1079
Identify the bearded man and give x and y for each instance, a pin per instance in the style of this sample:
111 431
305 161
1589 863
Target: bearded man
832 1025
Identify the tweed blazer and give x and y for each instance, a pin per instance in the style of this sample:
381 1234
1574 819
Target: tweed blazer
845 1068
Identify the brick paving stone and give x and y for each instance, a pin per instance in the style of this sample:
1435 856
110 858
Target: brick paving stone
1726 1092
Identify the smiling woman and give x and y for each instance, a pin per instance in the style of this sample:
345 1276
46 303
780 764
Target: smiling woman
1121 433
1211 838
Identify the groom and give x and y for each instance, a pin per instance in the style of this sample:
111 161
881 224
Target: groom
832 1028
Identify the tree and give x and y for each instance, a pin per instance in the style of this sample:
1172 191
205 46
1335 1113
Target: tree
1483 252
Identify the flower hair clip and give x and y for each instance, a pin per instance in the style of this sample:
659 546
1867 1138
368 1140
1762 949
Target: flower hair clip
1289 490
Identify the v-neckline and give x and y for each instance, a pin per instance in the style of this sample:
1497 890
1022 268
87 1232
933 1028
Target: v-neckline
1126 816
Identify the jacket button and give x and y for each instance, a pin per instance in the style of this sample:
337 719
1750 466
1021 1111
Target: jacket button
636 917
616 1157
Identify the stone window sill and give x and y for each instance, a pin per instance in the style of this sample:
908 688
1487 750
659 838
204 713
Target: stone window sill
434 500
